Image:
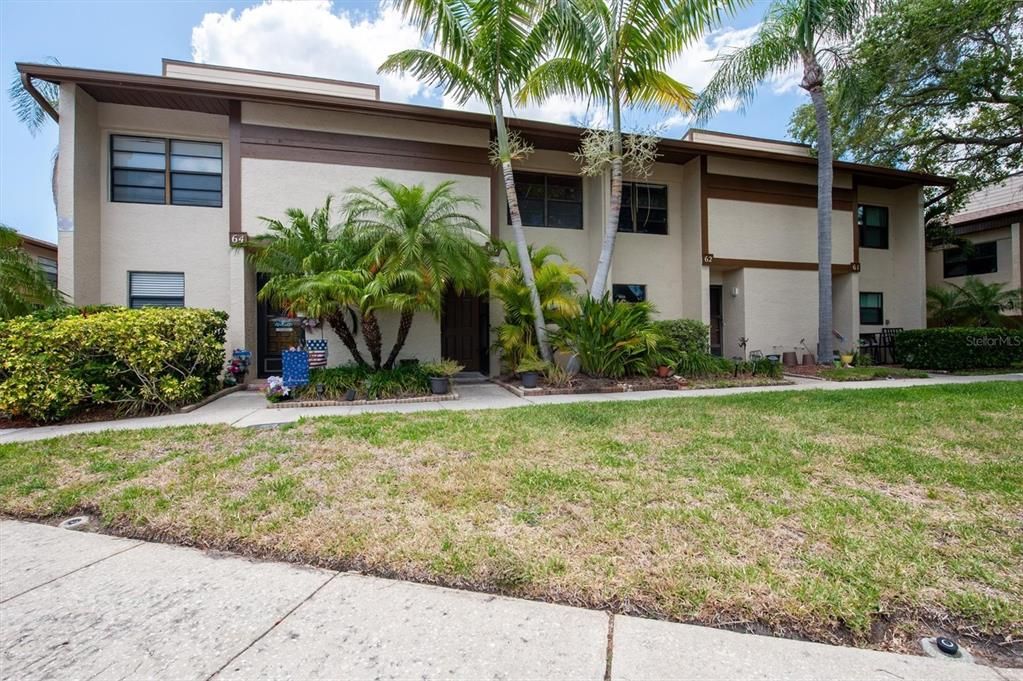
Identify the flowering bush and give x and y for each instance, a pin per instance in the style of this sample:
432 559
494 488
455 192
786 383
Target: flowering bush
149 360
276 391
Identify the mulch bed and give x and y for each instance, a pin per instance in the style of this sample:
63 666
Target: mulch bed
581 385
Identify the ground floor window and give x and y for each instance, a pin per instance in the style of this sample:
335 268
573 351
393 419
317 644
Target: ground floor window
872 308
156 289
979 258
629 293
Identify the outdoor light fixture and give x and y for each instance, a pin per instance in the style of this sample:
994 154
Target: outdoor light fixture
320 390
735 291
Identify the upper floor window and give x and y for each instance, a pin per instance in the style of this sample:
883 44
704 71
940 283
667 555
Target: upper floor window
49 268
628 293
980 258
156 289
550 200
142 169
644 208
873 224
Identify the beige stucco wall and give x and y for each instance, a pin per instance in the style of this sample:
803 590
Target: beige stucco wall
764 231
78 199
1010 260
772 170
899 272
362 124
270 187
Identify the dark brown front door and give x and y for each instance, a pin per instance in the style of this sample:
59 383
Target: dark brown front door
463 330
715 320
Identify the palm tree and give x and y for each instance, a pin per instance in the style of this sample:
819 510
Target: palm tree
313 269
484 48
943 305
808 33
556 284
31 113
984 304
419 243
23 286
616 54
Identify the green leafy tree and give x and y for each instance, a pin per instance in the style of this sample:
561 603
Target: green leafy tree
483 49
616 53
811 34
936 86
24 287
312 268
419 243
556 283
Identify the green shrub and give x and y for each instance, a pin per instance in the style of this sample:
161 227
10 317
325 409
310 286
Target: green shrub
702 365
688 335
407 380
136 360
611 339
953 349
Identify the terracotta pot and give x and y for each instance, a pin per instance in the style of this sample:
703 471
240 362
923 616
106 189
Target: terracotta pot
789 359
809 360
663 371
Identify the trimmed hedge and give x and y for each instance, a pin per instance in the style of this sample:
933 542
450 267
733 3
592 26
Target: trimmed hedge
955 348
149 360
690 335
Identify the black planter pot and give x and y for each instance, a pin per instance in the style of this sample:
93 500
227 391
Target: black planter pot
529 379
350 395
439 385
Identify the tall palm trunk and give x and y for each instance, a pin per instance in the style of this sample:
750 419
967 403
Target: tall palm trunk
371 334
813 82
539 323
337 322
607 246
399 342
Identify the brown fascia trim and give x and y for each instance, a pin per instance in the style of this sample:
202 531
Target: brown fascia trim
59 74
277 74
37 242
751 138
30 88
738 263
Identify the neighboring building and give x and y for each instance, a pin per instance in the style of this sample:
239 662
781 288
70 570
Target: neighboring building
159 175
990 221
44 253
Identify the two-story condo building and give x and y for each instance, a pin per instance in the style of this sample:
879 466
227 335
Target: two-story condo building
160 175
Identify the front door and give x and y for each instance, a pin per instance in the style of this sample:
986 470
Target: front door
715 320
275 333
464 332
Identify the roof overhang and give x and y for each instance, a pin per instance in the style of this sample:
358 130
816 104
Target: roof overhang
215 98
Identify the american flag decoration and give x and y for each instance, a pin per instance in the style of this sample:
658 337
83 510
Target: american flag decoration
317 353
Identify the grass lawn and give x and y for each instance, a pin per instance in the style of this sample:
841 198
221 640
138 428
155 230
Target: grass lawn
845 516
869 373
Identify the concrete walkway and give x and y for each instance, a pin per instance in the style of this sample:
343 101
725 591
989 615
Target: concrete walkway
249 409
76 606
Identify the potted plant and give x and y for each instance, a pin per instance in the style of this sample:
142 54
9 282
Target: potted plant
529 370
440 374
847 357
276 391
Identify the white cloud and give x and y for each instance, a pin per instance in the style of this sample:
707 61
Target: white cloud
308 38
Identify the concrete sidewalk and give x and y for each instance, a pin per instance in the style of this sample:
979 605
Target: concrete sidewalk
76 605
248 409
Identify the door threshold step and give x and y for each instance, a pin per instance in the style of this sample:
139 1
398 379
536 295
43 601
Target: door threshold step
469 378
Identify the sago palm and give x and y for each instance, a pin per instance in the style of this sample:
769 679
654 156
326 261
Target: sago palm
419 243
616 54
983 304
23 286
944 305
809 34
556 284
483 49
311 268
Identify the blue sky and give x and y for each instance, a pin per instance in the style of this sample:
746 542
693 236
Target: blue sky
344 39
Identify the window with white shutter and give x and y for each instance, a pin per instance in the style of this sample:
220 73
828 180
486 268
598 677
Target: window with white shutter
156 289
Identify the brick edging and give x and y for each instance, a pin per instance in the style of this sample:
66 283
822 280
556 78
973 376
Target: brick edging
292 404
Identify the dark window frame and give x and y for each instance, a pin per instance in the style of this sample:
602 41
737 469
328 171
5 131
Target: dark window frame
547 200
879 308
968 263
633 189
169 174
642 298
49 268
152 301
873 236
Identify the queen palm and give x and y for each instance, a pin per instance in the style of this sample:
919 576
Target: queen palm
617 53
419 243
32 114
484 48
809 34
23 286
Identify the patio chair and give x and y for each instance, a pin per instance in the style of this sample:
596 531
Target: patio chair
888 335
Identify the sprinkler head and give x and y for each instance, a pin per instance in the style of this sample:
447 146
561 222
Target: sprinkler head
946 645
